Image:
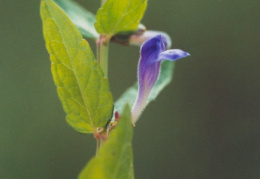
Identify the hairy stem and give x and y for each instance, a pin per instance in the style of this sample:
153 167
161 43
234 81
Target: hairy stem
102 53
102 58
98 146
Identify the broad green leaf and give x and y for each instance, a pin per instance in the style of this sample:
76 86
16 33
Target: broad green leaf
119 16
81 86
115 157
130 94
82 19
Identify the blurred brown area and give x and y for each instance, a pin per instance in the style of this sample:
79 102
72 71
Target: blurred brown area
206 124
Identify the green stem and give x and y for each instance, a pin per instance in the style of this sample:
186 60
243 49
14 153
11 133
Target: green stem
102 53
98 146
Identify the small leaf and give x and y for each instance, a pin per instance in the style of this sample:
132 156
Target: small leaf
82 19
119 16
130 94
81 86
115 157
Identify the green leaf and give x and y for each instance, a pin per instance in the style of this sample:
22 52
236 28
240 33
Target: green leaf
82 19
115 157
81 86
130 94
119 16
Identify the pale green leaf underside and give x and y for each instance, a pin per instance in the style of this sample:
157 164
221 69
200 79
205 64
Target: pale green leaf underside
130 94
82 89
119 16
115 157
82 19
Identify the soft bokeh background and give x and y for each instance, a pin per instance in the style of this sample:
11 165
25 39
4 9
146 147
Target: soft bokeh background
206 124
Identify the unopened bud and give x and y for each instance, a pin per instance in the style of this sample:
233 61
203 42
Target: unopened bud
139 39
123 38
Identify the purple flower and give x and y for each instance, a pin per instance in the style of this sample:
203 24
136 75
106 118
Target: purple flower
152 54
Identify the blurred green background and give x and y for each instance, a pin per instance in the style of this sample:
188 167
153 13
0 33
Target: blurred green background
206 124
